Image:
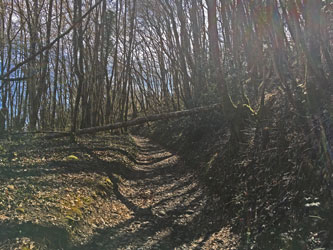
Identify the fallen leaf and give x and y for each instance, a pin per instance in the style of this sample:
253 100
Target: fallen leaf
20 209
72 158
3 217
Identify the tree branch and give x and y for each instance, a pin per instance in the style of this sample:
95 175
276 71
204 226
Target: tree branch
48 46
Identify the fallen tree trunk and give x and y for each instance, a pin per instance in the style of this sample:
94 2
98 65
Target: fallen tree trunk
139 120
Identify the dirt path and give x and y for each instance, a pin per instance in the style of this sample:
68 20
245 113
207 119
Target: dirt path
169 209
104 192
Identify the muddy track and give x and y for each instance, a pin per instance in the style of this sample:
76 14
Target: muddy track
169 208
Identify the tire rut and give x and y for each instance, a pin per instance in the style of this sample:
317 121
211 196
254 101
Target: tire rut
169 208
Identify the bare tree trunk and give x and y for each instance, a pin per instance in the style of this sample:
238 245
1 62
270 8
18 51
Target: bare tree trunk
32 84
56 70
78 59
141 120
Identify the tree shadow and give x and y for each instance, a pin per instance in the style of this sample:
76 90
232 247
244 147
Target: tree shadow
178 219
121 236
52 237
180 209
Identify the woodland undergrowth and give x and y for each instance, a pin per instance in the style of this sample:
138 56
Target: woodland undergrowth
274 185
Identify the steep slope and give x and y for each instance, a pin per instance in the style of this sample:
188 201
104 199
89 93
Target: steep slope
274 186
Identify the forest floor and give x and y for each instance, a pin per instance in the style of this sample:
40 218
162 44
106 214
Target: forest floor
104 192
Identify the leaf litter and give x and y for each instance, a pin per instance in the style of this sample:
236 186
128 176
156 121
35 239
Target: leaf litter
104 192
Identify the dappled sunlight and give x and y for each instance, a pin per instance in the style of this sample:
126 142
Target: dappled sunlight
166 205
239 93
